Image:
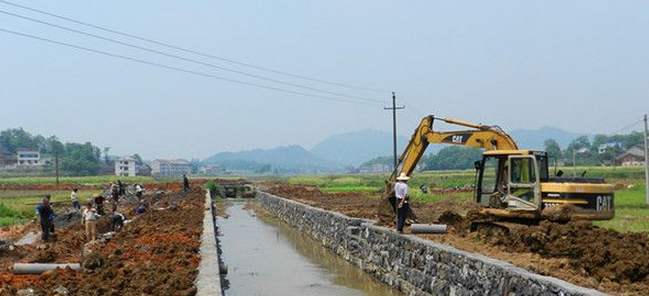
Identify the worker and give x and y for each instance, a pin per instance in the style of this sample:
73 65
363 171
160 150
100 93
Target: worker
141 209
52 214
139 190
117 221
99 204
90 217
185 184
114 191
74 196
120 187
44 213
401 194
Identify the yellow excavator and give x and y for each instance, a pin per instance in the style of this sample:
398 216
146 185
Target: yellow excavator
510 183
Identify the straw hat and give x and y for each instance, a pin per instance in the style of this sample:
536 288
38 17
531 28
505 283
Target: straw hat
403 177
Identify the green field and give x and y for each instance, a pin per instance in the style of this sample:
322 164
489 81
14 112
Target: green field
631 212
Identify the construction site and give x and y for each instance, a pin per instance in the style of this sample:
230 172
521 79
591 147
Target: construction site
260 148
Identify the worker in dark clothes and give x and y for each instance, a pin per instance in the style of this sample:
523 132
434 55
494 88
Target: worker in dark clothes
120 187
99 204
141 209
117 221
44 213
52 215
185 184
114 192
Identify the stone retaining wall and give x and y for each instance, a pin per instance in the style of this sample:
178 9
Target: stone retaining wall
411 264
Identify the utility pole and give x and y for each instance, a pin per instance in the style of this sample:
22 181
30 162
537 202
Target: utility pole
646 160
57 169
574 163
394 109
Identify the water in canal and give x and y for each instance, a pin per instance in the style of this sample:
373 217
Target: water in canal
267 257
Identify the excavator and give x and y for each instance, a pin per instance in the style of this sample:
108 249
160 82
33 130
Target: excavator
511 184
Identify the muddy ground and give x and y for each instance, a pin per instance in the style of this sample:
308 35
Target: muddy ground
577 252
155 254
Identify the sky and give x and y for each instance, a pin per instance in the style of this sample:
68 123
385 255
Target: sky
581 66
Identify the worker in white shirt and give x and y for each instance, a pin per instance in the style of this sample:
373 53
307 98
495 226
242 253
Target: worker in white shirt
74 196
401 194
90 218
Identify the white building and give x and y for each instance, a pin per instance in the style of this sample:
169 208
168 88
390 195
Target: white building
170 168
28 157
126 166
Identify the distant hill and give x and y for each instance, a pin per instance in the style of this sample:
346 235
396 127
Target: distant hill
337 152
534 138
293 159
355 148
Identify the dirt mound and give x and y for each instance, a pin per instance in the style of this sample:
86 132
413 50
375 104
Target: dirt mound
156 254
600 253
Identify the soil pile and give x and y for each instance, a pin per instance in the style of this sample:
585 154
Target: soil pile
600 253
155 254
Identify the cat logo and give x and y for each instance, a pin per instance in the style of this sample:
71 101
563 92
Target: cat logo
456 139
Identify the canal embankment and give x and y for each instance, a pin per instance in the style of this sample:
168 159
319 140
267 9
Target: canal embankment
411 264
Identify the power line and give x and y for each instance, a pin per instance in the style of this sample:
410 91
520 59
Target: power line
186 59
627 126
132 59
168 45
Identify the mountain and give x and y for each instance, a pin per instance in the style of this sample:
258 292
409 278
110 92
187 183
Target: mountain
534 138
294 159
354 148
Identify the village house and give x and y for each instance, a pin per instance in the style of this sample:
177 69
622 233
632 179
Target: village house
632 157
28 157
126 166
170 168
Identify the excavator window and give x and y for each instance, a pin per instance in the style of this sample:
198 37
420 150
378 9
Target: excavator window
522 177
522 171
489 175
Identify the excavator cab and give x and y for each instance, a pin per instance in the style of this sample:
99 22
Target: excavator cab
510 179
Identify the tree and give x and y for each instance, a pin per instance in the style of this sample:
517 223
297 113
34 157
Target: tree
106 156
15 138
138 159
553 149
81 159
453 158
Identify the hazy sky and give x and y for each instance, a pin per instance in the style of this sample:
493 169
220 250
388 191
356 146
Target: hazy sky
578 65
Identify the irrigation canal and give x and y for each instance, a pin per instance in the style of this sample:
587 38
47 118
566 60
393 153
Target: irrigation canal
268 257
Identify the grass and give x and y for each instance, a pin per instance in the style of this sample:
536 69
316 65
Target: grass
9 216
631 212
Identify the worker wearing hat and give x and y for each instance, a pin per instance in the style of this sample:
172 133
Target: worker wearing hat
401 193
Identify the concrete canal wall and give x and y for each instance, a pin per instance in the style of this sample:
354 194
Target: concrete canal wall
411 264
208 281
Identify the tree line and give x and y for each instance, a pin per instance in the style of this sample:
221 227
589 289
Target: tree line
79 159
598 150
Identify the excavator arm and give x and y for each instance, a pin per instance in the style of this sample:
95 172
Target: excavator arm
478 136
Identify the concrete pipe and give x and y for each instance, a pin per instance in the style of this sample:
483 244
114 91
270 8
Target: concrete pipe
38 268
428 228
